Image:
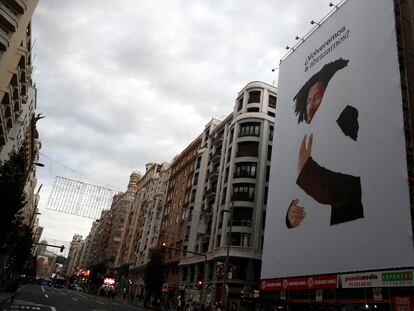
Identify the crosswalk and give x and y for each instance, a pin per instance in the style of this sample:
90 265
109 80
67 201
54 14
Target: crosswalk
24 305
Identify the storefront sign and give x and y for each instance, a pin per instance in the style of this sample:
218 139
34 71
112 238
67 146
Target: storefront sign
377 279
377 293
403 303
319 293
300 283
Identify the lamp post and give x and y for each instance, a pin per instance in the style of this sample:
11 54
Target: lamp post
225 300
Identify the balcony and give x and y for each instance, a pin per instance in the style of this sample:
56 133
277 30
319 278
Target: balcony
215 158
210 193
241 223
4 40
218 140
8 18
213 174
18 5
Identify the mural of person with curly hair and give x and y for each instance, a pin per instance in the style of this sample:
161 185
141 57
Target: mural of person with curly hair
341 191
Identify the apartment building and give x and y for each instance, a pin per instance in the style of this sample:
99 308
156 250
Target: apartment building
74 256
229 194
104 238
87 257
173 233
17 93
127 251
150 209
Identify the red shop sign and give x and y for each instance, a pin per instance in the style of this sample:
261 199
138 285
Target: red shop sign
403 303
299 283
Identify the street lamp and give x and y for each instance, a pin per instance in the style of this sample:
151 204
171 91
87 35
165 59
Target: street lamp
225 286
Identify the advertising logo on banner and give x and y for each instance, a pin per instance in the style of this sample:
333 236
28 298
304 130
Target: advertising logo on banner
338 190
377 279
403 303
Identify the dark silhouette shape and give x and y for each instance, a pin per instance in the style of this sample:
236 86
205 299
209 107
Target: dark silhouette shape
348 122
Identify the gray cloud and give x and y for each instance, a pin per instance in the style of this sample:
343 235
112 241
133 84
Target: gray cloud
128 82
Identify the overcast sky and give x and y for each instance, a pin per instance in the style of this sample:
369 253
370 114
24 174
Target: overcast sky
127 82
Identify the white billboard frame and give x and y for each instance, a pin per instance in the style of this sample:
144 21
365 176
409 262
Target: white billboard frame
338 192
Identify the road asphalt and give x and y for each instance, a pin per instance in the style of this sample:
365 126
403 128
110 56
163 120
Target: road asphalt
42 298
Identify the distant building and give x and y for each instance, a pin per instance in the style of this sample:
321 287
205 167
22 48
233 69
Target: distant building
74 256
173 232
127 250
45 261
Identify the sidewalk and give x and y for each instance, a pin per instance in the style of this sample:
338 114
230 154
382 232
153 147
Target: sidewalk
4 297
135 302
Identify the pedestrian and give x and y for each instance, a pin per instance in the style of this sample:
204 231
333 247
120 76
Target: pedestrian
124 294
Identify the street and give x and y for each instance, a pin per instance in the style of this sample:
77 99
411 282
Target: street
42 298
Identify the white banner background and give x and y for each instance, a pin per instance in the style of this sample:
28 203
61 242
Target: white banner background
371 83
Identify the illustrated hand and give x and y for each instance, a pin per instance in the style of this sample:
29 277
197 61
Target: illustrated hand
295 214
304 151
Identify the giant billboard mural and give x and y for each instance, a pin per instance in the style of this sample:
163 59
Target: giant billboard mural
338 192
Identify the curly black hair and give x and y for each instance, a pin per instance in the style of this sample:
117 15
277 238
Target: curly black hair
323 76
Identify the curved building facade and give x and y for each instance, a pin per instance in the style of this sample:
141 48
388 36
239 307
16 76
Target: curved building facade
227 210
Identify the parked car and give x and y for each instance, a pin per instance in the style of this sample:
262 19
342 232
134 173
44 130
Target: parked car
58 285
77 287
43 281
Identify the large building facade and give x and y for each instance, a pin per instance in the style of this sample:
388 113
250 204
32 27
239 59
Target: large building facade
228 204
173 233
18 94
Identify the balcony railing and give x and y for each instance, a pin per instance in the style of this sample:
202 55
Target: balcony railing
9 12
241 223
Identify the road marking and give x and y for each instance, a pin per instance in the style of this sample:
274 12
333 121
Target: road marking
100 302
42 288
75 299
46 296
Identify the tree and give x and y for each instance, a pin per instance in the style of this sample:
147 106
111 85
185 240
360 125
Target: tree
21 252
154 276
12 197
97 272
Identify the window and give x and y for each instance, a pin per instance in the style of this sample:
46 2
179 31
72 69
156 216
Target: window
272 101
269 153
240 104
267 173
245 169
229 155
248 149
242 216
270 113
266 194
249 129
271 130
253 109
240 239
243 192
254 97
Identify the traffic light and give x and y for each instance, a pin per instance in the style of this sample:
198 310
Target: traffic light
62 248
